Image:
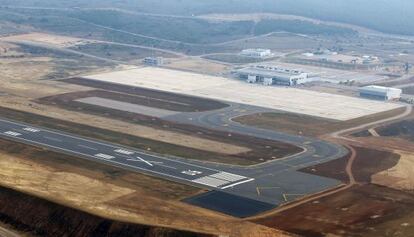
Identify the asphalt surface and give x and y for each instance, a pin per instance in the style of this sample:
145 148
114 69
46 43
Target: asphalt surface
116 155
276 181
256 188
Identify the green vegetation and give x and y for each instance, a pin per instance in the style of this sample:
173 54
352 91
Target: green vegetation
387 16
169 28
300 27
119 52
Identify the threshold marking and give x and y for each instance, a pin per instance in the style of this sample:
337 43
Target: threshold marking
125 152
31 129
104 156
223 180
14 134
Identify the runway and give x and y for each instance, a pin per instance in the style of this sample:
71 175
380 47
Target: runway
234 190
121 156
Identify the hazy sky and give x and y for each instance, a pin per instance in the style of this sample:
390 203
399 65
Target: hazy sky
395 16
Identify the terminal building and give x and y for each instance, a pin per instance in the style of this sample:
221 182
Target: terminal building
153 61
273 76
380 93
257 53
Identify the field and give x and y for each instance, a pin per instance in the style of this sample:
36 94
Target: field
234 58
120 52
307 125
198 65
288 99
403 129
409 90
57 40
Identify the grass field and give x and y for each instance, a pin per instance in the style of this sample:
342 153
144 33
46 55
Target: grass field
307 125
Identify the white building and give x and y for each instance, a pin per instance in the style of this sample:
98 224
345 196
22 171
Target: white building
256 53
273 76
154 61
380 93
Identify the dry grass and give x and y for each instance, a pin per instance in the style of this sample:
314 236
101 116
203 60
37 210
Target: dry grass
198 65
399 177
56 40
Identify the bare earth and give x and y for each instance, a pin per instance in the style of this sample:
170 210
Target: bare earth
56 40
399 177
198 65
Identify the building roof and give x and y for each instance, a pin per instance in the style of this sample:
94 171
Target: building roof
266 73
379 89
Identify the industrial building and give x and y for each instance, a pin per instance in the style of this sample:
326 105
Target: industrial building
256 53
153 61
273 76
380 93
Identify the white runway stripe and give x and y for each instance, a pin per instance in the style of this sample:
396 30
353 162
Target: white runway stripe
31 130
125 152
210 181
11 133
228 176
104 156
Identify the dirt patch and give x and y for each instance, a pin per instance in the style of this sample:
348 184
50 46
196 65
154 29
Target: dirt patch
141 96
396 82
57 40
368 162
403 129
366 210
409 90
43 218
400 176
307 125
120 52
198 65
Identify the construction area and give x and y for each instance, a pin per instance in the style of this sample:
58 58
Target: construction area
286 99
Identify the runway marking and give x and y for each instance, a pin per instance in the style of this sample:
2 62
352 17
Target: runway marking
228 176
87 147
191 172
264 188
52 139
146 162
286 195
31 129
104 156
125 152
210 181
89 140
219 179
11 133
238 183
